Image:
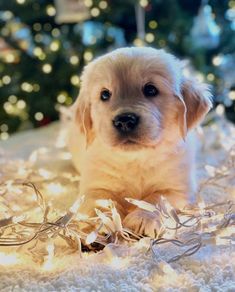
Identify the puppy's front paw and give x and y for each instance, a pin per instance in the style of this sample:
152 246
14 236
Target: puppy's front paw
142 222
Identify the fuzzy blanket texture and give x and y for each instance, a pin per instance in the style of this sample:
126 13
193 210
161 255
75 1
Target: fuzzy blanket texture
134 268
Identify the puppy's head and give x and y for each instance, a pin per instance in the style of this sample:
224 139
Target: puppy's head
136 97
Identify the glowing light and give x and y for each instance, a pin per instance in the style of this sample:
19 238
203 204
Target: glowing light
4 136
65 156
153 24
38 116
74 60
231 95
38 37
88 56
8 259
48 260
17 219
107 221
8 107
142 204
37 51
138 42
20 1
220 109
217 60
47 26
74 208
55 32
4 127
12 99
37 26
95 11
6 79
55 188
51 11
54 46
47 68
116 219
22 172
231 3
88 3
103 4
144 3
21 104
36 87
10 58
149 37
103 203
211 77
75 80
91 237
61 98
45 173
6 15
25 86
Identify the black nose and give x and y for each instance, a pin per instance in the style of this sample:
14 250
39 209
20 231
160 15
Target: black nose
126 122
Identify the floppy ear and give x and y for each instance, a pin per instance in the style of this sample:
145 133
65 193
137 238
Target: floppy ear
196 102
82 116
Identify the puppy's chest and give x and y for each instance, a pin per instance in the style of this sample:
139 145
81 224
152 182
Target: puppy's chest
149 176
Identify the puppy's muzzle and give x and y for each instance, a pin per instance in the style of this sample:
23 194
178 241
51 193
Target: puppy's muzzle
126 122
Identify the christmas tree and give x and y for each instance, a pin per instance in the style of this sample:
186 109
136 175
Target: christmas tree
45 44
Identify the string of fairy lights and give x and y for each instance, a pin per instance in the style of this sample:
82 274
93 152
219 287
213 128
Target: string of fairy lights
17 105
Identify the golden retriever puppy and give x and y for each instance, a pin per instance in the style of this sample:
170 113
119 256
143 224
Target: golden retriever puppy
130 136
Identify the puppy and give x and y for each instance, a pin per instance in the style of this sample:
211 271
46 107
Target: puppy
131 132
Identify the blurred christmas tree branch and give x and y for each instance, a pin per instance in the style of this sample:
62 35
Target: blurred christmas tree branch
45 44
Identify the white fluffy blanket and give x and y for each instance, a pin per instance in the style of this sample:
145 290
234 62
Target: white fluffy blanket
133 268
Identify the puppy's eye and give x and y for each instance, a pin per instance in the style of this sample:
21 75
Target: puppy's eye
105 95
150 90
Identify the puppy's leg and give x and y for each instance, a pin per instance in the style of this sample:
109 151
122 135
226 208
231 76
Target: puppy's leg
148 223
93 199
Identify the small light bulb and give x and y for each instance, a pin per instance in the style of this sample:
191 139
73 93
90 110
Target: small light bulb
88 3
47 68
149 37
54 46
51 11
231 95
103 4
21 104
39 116
20 1
217 60
6 79
88 56
152 24
95 12
75 80
74 60
143 3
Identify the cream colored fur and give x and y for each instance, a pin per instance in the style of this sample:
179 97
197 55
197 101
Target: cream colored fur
160 160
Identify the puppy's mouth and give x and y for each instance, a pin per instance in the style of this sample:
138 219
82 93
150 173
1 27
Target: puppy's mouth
129 142
133 144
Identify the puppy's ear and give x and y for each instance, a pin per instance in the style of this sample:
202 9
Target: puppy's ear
82 116
196 102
